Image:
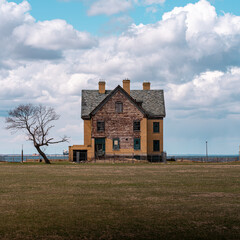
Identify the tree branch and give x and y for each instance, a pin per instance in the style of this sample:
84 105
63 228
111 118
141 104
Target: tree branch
35 121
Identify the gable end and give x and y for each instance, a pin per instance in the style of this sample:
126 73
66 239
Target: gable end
118 88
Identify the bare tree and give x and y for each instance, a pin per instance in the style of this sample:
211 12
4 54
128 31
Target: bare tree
36 122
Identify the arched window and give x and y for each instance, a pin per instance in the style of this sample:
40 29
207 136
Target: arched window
119 107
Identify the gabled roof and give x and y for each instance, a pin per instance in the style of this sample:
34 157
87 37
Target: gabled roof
149 102
112 93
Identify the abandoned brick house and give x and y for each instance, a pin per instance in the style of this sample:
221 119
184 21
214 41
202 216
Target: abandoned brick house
121 122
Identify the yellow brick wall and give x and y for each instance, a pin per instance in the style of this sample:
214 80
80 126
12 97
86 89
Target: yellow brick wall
90 150
87 132
154 136
88 142
144 135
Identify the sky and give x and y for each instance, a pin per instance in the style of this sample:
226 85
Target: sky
52 49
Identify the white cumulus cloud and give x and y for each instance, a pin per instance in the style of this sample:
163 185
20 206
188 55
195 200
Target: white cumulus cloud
150 2
52 35
23 37
192 53
218 89
109 7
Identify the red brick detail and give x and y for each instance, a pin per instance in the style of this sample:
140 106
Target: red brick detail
118 125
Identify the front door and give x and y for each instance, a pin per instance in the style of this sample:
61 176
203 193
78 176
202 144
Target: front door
99 147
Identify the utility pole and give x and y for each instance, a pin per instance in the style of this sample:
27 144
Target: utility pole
207 150
239 152
22 154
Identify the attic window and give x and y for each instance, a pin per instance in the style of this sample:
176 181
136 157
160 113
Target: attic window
119 107
100 126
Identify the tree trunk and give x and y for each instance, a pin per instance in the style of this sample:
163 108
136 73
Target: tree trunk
43 155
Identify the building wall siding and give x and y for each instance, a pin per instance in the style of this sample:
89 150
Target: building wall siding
120 125
87 132
155 136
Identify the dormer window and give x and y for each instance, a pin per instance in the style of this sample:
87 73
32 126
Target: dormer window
119 107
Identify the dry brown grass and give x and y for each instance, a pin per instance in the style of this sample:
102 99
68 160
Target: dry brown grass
120 201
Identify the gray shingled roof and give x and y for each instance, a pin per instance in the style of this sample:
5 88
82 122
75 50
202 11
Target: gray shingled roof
152 101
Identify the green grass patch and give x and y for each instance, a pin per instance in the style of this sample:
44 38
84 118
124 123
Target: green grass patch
119 201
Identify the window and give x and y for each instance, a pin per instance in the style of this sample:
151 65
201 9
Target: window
136 126
156 146
119 107
156 127
116 145
100 126
137 145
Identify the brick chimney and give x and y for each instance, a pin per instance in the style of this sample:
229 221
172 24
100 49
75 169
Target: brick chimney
146 85
101 85
126 85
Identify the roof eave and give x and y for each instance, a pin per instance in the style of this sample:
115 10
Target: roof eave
86 117
156 116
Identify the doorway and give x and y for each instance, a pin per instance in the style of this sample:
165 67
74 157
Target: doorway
79 155
99 147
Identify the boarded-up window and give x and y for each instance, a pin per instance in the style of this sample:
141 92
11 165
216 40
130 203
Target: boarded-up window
116 145
137 144
100 126
136 126
119 107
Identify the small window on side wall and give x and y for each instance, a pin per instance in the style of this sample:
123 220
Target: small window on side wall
156 145
156 127
137 144
119 107
100 126
136 126
116 145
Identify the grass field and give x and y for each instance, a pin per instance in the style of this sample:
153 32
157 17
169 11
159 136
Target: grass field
120 201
